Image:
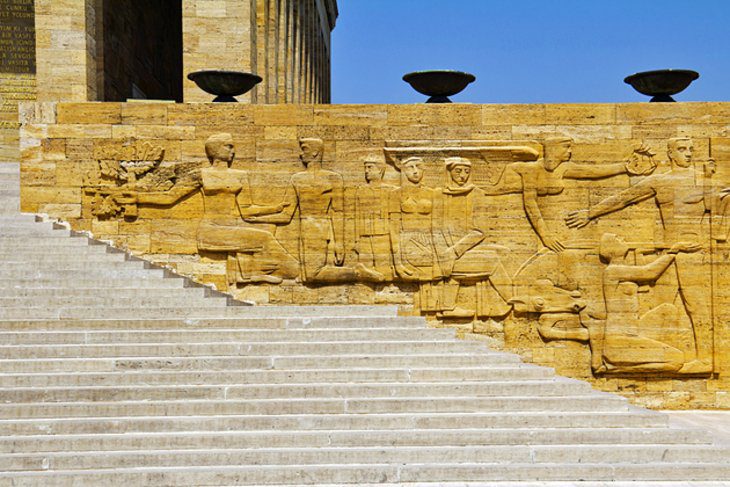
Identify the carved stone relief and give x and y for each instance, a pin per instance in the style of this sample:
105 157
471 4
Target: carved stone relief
441 232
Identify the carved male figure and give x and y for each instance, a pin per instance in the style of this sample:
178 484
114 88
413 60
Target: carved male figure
545 177
463 258
626 346
682 202
372 232
254 255
318 195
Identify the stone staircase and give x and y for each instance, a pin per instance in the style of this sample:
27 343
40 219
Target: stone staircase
115 373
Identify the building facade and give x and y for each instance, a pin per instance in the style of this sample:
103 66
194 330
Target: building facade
115 50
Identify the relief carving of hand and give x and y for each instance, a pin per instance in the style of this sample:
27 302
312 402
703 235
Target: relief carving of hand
686 247
553 243
577 219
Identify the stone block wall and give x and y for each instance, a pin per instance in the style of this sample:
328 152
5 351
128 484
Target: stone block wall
589 238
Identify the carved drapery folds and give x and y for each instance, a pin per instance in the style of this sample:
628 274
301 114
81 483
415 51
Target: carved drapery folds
428 218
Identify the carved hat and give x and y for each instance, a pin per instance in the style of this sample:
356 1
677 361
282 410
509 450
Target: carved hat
452 162
399 164
372 159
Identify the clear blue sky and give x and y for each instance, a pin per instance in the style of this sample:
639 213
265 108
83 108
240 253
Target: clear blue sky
529 51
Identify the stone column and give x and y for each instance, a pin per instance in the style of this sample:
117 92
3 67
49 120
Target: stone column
66 50
290 49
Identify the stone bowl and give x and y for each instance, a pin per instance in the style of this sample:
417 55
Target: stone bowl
224 84
663 83
439 85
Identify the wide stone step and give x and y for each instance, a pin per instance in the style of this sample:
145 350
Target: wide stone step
107 302
407 334
78 266
94 255
247 376
94 292
9 206
19 217
115 425
106 284
193 440
220 362
78 253
34 232
586 402
538 389
243 348
597 454
140 313
378 474
250 317
123 273
10 243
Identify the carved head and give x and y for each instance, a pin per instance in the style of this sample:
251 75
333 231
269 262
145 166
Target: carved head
412 169
219 147
310 150
557 151
459 168
374 169
679 151
612 247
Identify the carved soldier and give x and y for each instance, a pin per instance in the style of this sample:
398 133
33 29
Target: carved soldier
372 232
627 345
683 204
318 194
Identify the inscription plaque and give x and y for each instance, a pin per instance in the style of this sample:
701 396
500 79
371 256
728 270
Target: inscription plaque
17 36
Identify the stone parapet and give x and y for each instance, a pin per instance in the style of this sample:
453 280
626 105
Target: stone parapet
590 238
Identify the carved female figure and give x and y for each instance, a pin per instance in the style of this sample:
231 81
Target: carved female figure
410 211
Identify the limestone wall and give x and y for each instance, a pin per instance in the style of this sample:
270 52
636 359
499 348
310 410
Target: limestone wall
578 235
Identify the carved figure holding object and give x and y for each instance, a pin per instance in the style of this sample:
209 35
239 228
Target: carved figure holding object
683 204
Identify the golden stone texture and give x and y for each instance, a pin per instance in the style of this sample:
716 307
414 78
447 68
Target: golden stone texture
590 238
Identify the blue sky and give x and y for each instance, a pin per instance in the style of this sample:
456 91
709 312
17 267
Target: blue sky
529 51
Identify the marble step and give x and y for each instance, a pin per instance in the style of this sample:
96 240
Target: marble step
310 422
567 404
242 348
256 336
219 362
525 454
118 274
99 283
378 474
248 376
250 317
140 313
110 301
537 389
94 292
194 440
41 245
78 266
90 257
